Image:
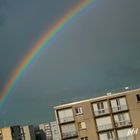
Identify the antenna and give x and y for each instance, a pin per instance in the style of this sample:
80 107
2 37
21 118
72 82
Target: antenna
126 88
109 93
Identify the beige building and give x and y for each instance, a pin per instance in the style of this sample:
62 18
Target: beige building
50 130
47 130
111 117
5 133
29 133
55 130
17 133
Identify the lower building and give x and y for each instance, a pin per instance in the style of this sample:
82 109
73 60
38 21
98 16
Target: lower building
55 130
39 134
29 133
17 133
110 117
47 130
12 133
5 133
50 130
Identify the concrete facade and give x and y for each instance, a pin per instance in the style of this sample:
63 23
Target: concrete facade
110 117
55 130
29 133
47 130
6 133
50 130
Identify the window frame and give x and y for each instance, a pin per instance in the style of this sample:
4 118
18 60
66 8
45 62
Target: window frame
81 124
78 110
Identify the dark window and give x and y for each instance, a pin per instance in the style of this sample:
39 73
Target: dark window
110 135
84 138
138 97
78 110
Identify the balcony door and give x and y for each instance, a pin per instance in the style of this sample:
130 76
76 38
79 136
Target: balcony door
118 104
109 135
122 119
100 108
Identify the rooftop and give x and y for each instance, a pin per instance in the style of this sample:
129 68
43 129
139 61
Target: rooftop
107 95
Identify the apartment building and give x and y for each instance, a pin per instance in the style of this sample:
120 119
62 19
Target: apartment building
29 132
47 130
50 130
55 130
17 133
5 133
12 133
110 117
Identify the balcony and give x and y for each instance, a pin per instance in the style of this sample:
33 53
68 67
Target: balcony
123 123
120 108
70 134
104 127
101 112
126 138
122 138
66 119
112 139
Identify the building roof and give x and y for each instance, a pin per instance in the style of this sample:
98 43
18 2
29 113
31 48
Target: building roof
108 95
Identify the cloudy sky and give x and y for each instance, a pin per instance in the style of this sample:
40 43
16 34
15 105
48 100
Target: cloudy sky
98 53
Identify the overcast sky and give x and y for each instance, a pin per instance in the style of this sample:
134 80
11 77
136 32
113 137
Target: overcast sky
99 52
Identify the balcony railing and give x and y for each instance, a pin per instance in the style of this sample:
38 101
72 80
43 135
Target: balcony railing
66 119
123 123
112 139
101 112
126 138
69 134
104 127
122 138
119 108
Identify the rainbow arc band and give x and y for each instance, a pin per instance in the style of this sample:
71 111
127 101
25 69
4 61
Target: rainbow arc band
41 44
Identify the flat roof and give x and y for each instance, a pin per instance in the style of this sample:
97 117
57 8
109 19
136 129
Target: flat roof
108 95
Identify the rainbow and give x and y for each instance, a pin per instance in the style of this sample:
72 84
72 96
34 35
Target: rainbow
40 45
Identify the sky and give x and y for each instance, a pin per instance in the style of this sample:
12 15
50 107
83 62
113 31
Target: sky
96 54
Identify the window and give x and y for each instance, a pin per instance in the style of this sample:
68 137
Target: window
82 125
122 119
109 135
119 104
100 108
84 138
78 110
138 97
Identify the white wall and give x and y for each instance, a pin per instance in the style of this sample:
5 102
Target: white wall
26 132
55 131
